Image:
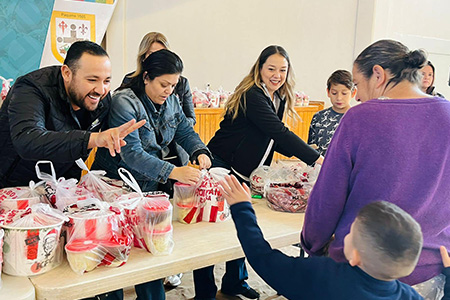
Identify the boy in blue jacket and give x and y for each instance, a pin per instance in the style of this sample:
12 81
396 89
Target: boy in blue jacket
383 245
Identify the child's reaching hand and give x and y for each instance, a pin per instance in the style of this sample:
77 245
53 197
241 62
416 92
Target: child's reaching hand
445 257
233 191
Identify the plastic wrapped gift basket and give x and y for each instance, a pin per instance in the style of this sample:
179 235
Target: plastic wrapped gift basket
289 185
149 215
98 235
202 202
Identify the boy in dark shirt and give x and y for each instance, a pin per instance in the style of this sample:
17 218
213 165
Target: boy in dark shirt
340 90
383 245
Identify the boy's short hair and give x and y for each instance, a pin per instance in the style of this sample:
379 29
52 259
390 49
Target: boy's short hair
343 77
388 239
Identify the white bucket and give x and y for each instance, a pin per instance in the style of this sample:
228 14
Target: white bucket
31 251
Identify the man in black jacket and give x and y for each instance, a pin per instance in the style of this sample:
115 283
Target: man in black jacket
55 113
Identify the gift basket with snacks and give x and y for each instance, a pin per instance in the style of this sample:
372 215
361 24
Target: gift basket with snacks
149 215
202 202
289 185
98 235
209 98
258 179
61 193
93 183
32 242
20 197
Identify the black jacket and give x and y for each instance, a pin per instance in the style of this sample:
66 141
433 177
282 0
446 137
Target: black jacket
183 91
37 122
243 141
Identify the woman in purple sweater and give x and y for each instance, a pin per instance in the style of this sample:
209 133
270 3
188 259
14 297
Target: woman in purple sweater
395 146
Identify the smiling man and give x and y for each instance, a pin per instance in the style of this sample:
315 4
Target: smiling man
55 113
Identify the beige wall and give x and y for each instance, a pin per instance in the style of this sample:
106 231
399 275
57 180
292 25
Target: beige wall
219 40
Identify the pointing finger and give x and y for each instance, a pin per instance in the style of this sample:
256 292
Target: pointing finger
129 127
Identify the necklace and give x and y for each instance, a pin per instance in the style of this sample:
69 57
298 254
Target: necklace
383 98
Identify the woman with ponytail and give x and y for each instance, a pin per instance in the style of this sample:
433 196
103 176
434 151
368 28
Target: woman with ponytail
395 147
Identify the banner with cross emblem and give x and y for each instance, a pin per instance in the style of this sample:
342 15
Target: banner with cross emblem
73 21
67 28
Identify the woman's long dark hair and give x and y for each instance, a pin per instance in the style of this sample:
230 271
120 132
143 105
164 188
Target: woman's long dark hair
156 64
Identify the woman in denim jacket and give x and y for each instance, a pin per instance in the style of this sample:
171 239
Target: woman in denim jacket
149 96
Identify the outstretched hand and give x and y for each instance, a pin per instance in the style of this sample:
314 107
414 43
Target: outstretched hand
113 138
233 191
445 257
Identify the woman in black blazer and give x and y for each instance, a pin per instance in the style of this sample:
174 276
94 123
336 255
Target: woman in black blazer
251 131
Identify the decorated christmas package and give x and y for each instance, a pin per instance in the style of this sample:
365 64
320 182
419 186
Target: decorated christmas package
98 235
150 217
20 197
208 203
258 179
32 242
61 193
289 185
93 183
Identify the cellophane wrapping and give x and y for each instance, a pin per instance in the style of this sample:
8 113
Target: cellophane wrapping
92 182
289 186
98 235
19 198
150 217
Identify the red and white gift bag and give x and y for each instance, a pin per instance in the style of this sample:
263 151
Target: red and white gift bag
19 197
203 202
149 215
98 234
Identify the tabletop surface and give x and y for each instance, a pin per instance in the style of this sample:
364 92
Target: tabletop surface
196 246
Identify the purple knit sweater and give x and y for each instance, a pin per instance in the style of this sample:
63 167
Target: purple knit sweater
396 150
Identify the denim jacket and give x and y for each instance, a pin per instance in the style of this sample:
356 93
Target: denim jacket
142 155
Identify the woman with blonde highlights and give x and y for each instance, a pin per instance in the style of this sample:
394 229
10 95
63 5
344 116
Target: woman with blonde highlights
251 131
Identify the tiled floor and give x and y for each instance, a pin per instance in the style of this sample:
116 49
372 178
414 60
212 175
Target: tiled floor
186 289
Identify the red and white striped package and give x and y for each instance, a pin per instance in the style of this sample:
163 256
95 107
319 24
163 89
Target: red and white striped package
149 215
98 235
214 206
19 197
61 193
93 183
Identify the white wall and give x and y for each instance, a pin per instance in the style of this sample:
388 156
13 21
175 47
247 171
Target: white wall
219 40
419 24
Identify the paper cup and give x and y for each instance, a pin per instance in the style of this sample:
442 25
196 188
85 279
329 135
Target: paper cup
31 251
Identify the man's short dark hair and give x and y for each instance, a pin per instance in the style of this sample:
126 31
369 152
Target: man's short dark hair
78 48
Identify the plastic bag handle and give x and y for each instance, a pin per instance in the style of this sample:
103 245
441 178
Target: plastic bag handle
123 173
99 204
83 167
45 176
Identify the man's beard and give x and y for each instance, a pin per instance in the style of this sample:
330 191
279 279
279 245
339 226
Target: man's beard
80 101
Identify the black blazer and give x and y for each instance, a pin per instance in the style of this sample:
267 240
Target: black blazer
243 141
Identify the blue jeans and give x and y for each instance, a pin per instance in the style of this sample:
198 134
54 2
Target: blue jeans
233 282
